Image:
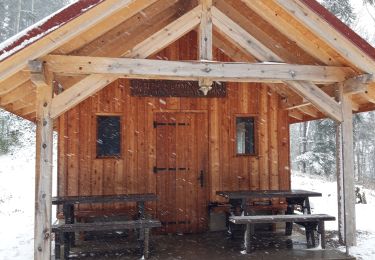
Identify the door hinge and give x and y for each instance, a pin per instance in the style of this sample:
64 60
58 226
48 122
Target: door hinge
156 169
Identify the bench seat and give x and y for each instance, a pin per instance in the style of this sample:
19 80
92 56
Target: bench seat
62 232
309 221
280 218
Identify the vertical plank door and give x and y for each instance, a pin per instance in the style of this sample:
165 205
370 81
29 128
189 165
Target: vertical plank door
181 171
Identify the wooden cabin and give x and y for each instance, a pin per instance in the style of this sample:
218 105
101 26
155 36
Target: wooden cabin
182 99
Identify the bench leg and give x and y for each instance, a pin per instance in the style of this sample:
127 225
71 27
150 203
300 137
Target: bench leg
146 243
321 231
69 219
247 238
67 243
310 237
58 238
289 225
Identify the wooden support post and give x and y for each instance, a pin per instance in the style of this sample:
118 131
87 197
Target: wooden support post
205 41
43 168
345 173
205 31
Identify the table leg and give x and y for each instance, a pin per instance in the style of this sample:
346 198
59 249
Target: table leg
67 243
321 231
307 206
58 236
69 238
289 225
141 209
244 207
146 243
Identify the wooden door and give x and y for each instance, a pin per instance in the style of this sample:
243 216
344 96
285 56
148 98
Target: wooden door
181 171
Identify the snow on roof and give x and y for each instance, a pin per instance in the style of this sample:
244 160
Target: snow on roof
44 27
68 13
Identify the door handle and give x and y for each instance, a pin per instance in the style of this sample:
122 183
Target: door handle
201 179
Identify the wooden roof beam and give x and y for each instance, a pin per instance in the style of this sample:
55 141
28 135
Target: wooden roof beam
105 25
369 94
305 89
91 84
232 51
20 92
358 84
309 110
294 113
355 106
27 111
288 96
186 70
23 102
166 35
60 36
133 31
130 32
239 36
318 98
277 20
13 82
352 86
331 36
296 106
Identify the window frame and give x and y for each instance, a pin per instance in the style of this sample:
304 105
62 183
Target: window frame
120 116
256 133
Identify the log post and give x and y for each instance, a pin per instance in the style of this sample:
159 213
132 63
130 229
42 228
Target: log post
205 41
43 164
345 173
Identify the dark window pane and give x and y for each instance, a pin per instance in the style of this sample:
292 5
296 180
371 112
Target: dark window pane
108 139
245 133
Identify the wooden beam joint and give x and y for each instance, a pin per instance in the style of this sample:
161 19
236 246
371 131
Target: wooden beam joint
37 76
358 84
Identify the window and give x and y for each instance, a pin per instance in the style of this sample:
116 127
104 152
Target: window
108 142
245 135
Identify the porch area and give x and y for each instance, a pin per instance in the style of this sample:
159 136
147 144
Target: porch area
211 245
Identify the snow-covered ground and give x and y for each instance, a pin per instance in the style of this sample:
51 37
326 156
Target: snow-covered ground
17 207
328 204
17 185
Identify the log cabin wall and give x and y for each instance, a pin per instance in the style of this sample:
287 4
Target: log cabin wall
81 173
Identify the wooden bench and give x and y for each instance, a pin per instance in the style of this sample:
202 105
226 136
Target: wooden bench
309 221
62 232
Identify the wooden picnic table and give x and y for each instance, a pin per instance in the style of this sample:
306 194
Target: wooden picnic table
68 203
292 197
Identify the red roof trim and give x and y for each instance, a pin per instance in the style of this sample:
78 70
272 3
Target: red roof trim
341 27
55 21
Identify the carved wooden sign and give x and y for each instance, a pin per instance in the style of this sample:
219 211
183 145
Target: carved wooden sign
174 88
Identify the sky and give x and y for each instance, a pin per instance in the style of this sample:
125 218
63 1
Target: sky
365 25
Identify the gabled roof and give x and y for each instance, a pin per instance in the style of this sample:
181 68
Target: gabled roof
85 15
63 16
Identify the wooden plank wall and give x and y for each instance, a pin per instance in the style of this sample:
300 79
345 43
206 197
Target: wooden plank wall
80 173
